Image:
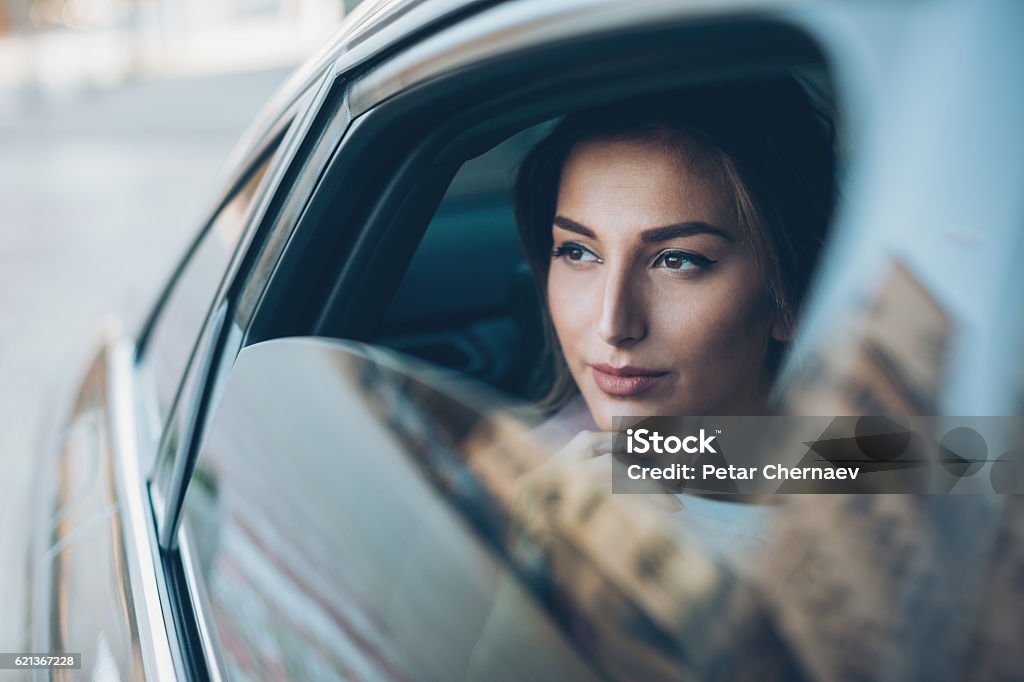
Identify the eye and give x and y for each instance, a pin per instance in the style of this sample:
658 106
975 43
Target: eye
575 253
681 260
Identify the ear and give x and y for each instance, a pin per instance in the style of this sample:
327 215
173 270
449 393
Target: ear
782 326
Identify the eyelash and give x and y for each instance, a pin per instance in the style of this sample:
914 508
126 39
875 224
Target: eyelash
694 258
563 250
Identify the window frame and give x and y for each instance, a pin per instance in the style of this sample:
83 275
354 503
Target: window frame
285 183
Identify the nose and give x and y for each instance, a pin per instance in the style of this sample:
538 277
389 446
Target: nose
622 320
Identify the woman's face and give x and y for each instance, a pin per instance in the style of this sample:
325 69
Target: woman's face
654 292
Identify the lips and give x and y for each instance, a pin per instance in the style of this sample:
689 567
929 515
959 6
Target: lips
625 382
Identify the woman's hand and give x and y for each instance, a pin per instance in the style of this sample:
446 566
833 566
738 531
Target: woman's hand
588 457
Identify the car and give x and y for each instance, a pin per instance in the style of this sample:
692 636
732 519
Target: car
307 463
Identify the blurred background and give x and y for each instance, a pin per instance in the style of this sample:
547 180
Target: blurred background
116 121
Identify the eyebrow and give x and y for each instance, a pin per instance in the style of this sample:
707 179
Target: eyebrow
655 234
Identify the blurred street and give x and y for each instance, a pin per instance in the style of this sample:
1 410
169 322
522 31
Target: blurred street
100 194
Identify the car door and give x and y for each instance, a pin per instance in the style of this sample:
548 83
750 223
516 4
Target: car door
92 555
97 573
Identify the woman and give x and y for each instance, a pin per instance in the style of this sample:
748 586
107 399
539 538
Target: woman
674 237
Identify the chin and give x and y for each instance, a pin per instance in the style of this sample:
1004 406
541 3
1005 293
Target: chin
605 409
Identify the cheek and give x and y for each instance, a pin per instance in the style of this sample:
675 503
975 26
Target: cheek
722 326
570 309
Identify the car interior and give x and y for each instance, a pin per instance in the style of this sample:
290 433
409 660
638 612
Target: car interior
468 300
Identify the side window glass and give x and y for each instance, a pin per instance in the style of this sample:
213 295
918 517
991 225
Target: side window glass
184 312
413 547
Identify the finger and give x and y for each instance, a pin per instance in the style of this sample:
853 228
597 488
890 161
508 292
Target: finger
598 472
585 445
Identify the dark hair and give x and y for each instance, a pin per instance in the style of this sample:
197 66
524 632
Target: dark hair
769 143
